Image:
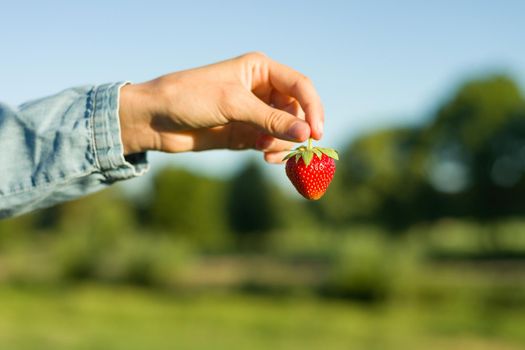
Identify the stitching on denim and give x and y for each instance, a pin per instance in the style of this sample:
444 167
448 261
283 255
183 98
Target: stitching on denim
123 170
93 97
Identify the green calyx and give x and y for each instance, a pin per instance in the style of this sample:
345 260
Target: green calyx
308 152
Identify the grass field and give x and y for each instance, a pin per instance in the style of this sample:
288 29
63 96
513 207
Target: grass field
94 317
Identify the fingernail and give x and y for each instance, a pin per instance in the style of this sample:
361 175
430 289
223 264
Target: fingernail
295 131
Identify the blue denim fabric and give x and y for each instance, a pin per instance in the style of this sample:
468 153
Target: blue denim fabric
62 147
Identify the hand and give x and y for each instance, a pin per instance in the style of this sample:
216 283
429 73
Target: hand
247 102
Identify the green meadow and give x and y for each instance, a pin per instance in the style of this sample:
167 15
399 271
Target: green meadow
94 317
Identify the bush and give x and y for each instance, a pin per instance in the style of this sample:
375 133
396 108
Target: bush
189 206
150 260
363 268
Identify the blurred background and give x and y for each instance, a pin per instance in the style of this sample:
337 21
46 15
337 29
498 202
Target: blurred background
418 244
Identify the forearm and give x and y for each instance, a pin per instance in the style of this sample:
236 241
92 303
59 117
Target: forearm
60 148
65 146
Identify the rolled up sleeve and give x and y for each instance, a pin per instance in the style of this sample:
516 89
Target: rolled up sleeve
62 147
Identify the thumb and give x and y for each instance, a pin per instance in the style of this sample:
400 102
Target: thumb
271 120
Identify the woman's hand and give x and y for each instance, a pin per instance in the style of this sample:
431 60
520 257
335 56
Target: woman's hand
247 102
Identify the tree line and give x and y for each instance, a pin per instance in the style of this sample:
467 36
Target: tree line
466 161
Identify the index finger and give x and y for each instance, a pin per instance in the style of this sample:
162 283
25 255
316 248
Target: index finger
292 83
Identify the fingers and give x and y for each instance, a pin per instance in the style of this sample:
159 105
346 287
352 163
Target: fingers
275 157
290 82
287 104
246 107
269 143
234 136
220 138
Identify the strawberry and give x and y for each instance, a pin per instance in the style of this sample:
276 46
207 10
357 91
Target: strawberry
311 169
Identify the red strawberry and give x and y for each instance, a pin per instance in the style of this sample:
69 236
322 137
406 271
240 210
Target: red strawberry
311 169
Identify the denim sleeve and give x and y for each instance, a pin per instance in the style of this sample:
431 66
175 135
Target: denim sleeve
62 147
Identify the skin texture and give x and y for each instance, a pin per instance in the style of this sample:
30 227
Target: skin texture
248 102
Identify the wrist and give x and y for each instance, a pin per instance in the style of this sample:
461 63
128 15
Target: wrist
135 115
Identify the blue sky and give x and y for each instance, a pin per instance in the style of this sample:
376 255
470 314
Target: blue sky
375 63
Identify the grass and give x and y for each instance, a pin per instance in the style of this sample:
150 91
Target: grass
95 317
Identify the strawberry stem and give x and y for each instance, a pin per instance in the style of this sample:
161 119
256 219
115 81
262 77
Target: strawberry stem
310 143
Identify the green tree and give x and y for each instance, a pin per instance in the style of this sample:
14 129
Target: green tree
190 206
107 212
373 181
467 161
461 148
250 204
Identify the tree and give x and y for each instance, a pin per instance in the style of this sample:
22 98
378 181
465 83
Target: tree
250 209
461 148
467 161
187 205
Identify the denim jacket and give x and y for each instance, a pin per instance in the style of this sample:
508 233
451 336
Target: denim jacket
62 147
